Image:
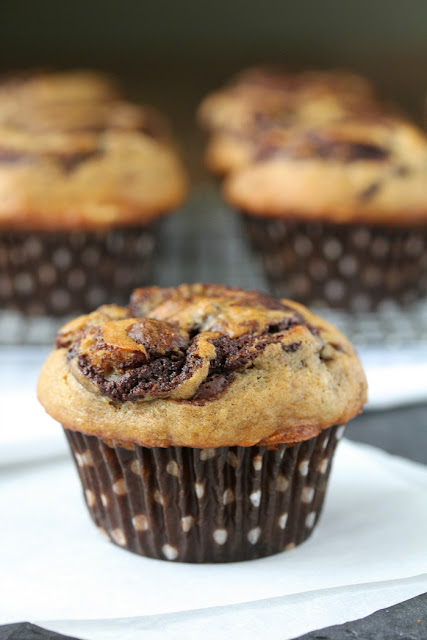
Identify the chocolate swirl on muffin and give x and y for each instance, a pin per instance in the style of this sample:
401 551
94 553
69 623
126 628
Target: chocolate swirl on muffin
179 365
262 102
184 343
75 154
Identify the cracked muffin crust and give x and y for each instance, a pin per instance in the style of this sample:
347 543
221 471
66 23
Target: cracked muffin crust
202 366
75 155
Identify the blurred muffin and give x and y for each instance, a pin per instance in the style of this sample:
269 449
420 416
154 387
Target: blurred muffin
84 175
339 211
203 419
263 98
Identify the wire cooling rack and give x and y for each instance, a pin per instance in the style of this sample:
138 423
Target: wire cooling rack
206 242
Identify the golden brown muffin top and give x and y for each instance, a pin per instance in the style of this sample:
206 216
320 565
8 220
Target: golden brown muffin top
370 169
74 155
64 87
262 96
202 366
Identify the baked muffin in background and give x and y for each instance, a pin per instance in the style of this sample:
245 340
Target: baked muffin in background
332 184
259 99
203 419
84 176
339 212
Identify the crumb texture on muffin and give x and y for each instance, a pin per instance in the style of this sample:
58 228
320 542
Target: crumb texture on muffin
75 154
202 366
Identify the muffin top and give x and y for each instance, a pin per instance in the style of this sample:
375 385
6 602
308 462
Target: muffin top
259 94
260 99
74 155
202 366
369 169
47 87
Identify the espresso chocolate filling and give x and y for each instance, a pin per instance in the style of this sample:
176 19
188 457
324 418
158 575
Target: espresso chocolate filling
130 358
230 359
71 161
155 378
134 378
315 146
67 161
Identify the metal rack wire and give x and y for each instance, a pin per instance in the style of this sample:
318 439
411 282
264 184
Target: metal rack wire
206 242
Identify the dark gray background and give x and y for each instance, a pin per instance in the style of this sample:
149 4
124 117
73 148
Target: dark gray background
171 53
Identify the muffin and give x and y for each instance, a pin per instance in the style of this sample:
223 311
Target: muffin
264 98
203 419
84 177
338 212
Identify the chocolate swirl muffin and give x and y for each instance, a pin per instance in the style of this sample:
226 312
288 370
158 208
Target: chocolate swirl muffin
339 212
203 419
261 99
84 175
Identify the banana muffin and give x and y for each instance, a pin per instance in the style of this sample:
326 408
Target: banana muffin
84 176
339 212
259 99
203 419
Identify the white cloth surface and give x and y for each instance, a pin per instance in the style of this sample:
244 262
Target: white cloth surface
394 378
56 566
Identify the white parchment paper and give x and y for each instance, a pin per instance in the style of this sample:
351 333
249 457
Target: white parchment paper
55 566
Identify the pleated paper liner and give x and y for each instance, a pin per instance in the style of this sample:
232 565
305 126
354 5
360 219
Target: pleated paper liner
48 277
357 267
205 505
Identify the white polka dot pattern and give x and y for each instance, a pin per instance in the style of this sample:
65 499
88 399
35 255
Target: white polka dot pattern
207 454
118 536
140 522
255 498
84 459
307 495
310 519
90 498
136 467
200 489
172 468
186 523
323 465
303 467
254 534
103 533
282 483
211 510
257 463
220 536
170 552
119 487
57 274
159 498
344 266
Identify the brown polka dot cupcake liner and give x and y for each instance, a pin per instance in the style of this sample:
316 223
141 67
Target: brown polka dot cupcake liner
62 273
205 505
356 267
